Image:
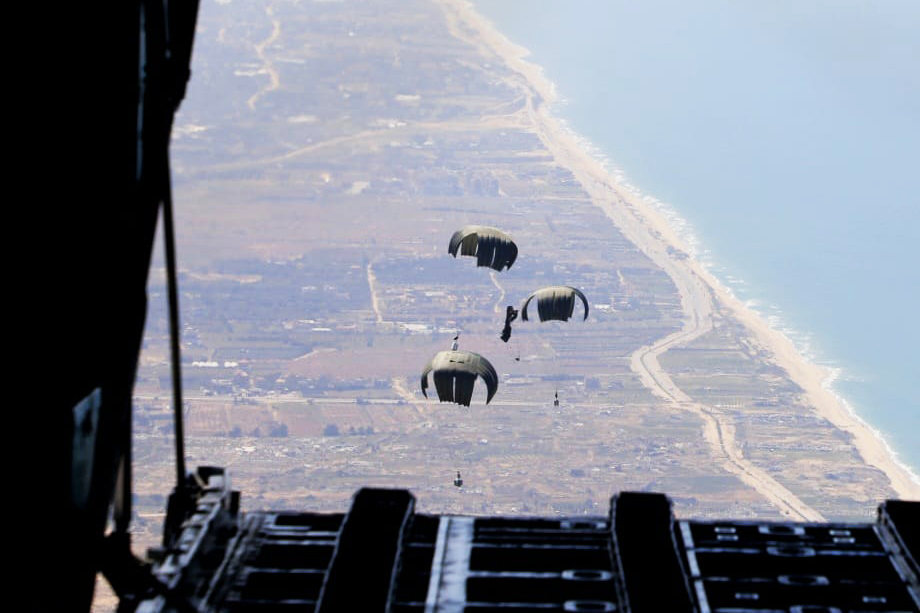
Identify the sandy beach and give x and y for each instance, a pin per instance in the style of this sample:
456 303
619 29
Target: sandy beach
701 293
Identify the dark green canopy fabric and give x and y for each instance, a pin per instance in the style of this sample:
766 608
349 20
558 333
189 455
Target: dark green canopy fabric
555 302
455 372
491 246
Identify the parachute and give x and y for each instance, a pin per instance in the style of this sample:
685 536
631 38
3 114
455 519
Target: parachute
491 246
555 302
455 373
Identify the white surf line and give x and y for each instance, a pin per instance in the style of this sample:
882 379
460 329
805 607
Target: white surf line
501 298
695 296
696 303
273 79
372 284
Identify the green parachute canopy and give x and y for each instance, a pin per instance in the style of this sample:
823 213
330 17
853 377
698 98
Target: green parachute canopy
455 372
555 302
491 246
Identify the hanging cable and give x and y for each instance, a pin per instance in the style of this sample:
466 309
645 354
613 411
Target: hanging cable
166 53
174 338
169 30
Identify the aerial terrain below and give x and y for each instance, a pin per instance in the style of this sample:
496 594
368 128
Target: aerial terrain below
323 158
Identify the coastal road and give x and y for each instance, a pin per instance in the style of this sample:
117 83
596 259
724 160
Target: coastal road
697 305
644 228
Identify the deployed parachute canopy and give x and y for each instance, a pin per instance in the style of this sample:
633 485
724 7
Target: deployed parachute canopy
555 302
491 246
455 373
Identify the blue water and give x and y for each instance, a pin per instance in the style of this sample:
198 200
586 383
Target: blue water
787 133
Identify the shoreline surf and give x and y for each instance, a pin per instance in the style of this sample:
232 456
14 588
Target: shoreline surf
659 219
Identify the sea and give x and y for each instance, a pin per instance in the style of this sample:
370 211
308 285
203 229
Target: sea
782 138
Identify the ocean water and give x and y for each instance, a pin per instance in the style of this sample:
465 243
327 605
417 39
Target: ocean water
786 134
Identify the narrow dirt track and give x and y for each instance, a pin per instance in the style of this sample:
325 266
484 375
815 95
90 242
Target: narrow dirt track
372 285
273 79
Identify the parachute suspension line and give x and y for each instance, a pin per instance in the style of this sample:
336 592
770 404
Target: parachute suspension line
174 339
555 366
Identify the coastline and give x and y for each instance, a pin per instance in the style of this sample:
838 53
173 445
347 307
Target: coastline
700 290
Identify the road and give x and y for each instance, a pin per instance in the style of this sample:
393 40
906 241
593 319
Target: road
273 79
658 243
